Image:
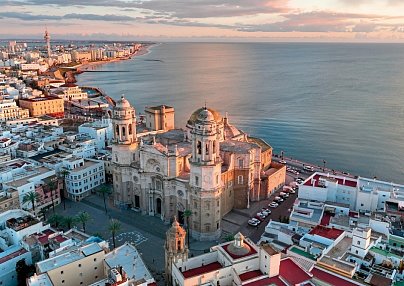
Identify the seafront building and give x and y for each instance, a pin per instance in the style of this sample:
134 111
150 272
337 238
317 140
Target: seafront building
52 106
209 168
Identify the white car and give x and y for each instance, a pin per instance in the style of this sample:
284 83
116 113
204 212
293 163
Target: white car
282 161
292 191
273 205
266 212
261 215
253 222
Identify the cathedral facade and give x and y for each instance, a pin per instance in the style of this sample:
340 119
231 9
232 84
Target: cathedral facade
198 174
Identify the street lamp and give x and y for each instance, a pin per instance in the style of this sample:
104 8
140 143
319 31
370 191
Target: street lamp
281 155
324 162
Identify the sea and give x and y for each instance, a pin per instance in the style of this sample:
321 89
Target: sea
338 102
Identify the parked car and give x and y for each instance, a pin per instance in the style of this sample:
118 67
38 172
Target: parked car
282 162
284 195
253 222
273 205
286 188
308 168
261 214
292 191
259 218
266 212
278 199
299 181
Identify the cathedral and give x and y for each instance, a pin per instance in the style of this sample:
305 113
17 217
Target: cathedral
198 174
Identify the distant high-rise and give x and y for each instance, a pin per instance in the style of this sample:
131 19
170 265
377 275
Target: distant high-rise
48 46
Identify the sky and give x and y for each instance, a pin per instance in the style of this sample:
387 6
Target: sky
245 20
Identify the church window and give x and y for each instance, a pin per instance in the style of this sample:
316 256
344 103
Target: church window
217 179
214 147
218 203
240 179
199 147
123 131
207 149
130 129
240 163
217 225
207 206
196 180
207 227
117 130
195 205
179 245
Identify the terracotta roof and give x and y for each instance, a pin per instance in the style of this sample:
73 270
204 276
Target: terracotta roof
13 255
331 233
202 269
330 278
292 273
250 275
267 281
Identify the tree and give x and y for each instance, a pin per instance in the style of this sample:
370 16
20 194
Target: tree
43 212
187 214
68 221
56 220
64 174
24 271
31 197
104 190
83 217
114 227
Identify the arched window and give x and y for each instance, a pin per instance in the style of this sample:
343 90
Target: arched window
117 130
123 131
199 147
214 147
130 129
207 149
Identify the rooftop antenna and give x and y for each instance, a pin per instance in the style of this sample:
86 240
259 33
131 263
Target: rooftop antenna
205 105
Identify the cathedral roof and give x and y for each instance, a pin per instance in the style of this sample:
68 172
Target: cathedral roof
122 103
196 115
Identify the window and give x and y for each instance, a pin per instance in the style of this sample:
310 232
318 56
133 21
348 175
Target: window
61 272
359 242
95 268
79 265
240 163
207 149
63 281
199 147
196 180
95 259
240 179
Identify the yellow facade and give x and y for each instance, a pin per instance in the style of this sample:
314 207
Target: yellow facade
43 105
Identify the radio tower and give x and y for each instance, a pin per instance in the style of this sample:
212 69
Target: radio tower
48 46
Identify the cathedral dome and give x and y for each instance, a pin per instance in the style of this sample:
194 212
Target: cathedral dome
203 112
238 248
122 103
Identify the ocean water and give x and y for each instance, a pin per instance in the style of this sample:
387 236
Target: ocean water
343 103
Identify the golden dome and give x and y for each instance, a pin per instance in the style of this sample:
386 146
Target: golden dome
195 116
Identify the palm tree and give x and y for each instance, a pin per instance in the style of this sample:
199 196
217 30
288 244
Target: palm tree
114 227
104 190
69 221
83 217
56 220
187 214
31 197
64 174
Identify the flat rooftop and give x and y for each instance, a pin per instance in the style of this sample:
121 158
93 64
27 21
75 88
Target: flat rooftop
127 256
330 233
202 269
292 273
67 258
330 278
13 255
341 181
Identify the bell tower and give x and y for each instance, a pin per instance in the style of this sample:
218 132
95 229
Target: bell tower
205 179
124 148
175 248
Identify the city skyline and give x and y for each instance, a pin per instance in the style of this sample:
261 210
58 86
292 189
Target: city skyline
255 20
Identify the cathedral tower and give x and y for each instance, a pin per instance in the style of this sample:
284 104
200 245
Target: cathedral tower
124 149
175 248
205 179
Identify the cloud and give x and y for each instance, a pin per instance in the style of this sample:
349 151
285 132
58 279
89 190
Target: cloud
87 17
178 8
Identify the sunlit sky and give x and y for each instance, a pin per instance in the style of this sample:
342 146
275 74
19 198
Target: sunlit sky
327 20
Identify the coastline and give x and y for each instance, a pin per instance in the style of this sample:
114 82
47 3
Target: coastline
144 50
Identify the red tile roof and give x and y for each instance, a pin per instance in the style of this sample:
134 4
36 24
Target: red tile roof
48 231
325 220
43 239
250 275
327 232
59 238
267 281
330 278
12 255
202 269
292 273
348 182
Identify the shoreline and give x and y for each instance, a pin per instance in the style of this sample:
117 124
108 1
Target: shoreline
82 68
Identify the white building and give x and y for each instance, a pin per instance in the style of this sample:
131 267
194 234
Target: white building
84 175
101 131
10 110
15 225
